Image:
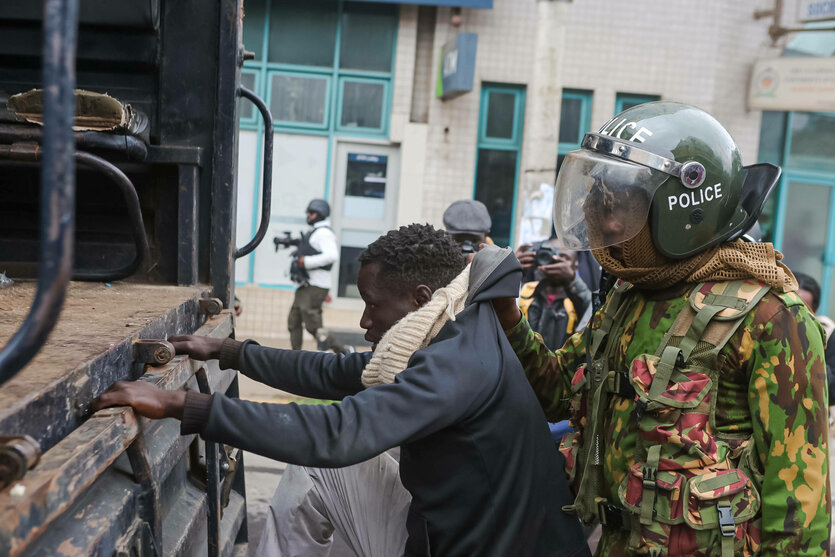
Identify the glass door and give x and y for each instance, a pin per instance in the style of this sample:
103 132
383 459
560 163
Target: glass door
365 204
806 231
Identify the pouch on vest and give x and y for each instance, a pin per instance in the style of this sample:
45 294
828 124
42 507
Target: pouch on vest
690 491
573 440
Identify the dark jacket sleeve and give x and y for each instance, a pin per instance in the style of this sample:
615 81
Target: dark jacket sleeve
423 399
310 374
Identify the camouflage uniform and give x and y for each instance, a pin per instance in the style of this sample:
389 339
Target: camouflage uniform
768 415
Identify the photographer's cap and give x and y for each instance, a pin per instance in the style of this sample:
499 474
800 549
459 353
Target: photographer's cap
467 216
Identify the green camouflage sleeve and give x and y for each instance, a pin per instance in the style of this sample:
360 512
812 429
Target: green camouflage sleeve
789 407
548 372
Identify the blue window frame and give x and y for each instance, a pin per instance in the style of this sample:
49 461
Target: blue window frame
498 156
362 107
344 27
624 101
800 217
302 42
248 115
575 121
299 99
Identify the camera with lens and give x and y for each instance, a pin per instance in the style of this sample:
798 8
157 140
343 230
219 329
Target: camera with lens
285 241
545 254
467 247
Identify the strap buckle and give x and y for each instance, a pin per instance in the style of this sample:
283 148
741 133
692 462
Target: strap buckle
619 385
727 525
610 515
650 477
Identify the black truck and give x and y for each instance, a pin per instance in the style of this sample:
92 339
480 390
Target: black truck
118 152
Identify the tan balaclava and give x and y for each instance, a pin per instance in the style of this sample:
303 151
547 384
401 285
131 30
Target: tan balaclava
645 267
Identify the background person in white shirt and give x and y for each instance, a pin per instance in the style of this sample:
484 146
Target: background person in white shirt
311 270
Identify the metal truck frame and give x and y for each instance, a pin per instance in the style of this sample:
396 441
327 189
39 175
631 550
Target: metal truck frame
134 245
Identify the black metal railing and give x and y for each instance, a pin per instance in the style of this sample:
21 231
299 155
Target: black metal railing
267 182
60 28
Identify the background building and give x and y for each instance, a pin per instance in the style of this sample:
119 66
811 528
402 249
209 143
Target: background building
354 88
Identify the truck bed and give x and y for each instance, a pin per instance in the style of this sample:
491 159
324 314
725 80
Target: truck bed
110 482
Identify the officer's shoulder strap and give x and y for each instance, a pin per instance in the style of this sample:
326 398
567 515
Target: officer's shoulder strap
714 312
309 234
614 302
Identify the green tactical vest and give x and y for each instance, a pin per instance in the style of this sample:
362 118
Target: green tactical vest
691 491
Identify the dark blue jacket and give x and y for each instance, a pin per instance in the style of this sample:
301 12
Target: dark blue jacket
476 454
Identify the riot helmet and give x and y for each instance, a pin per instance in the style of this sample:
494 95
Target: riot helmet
319 206
668 164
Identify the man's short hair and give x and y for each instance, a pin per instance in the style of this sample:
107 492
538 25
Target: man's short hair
805 282
416 254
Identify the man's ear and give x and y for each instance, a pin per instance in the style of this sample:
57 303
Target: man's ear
422 294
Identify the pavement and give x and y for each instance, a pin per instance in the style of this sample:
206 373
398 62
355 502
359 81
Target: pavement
262 473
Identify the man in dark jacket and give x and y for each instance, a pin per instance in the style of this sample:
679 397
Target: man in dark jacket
476 455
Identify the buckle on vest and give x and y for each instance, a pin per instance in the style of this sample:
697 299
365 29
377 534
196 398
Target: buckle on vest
640 408
620 385
727 525
610 515
650 477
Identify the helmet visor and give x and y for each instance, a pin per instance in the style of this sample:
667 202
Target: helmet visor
602 200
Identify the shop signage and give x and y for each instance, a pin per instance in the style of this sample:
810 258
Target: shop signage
484 4
456 69
793 83
815 10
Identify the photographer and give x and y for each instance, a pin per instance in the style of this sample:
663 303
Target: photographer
557 302
313 260
469 223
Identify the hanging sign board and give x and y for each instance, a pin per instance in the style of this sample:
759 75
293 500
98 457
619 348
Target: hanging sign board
793 83
456 70
483 4
815 10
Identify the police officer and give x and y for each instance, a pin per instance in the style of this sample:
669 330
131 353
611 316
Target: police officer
698 392
315 256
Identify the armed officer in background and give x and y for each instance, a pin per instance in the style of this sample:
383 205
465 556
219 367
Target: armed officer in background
698 392
315 256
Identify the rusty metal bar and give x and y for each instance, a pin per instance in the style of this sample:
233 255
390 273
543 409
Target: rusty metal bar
31 152
212 477
131 147
267 180
60 29
140 238
30 505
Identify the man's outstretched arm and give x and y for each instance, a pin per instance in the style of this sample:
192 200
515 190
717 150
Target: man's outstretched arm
310 374
419 403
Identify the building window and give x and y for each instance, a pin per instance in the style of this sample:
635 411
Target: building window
501 118
329 64
799 218
575 121
247 112
363 105
625 101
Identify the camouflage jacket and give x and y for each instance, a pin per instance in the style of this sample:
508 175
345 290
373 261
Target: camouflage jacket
772 387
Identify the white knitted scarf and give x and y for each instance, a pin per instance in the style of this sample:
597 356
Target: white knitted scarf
415 331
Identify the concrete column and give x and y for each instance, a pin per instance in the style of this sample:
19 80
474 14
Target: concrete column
542 120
